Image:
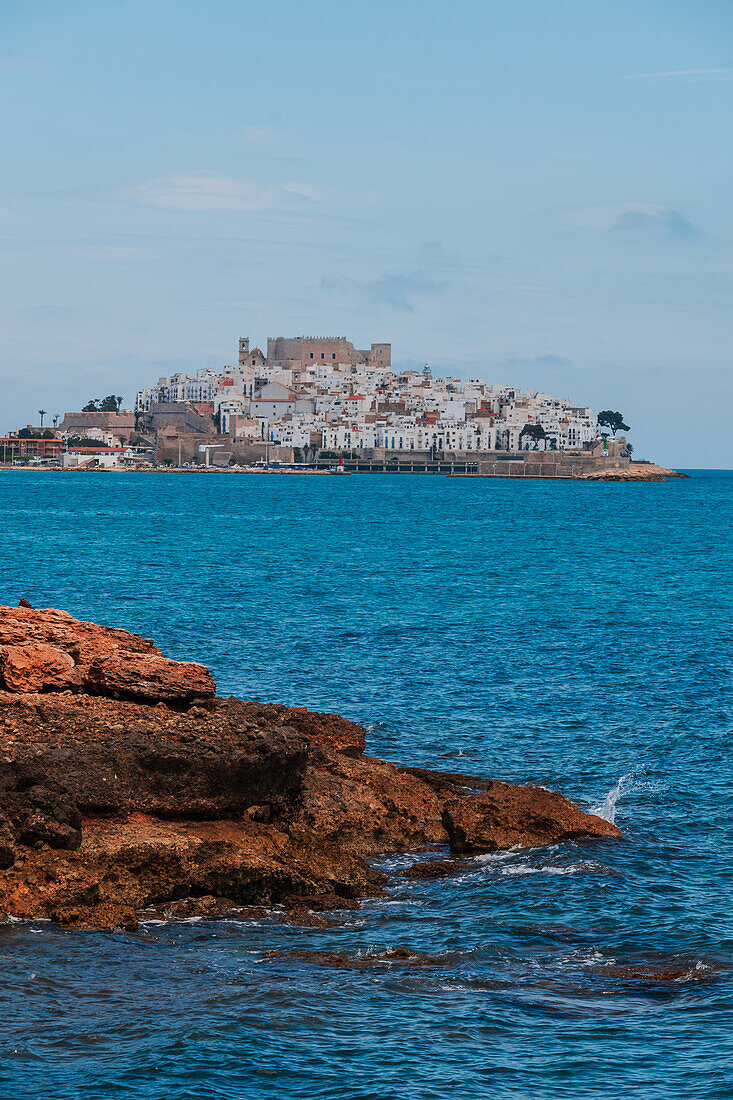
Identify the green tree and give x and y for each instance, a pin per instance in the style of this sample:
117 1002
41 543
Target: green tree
535 432
76 441
613 420
110 404
91 406
41 413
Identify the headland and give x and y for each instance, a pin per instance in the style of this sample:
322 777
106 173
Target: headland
321 405
128 785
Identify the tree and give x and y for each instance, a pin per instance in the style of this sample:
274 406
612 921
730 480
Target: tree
55 420
41 413
613 420
535 432
77 441
110 404
91 406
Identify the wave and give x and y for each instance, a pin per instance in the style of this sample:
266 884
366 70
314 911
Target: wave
632 780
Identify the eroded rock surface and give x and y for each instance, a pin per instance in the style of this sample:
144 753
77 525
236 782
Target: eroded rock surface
507 815
49 651
126 784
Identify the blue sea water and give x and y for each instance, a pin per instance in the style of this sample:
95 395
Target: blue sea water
573 634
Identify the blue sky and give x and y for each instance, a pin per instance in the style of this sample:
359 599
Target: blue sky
536 192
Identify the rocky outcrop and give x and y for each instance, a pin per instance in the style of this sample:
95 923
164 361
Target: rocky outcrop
329 730
124 675
635 471
37 667
125 784
507 815
49 651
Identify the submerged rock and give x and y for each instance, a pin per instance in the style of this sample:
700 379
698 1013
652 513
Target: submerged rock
400 956
434 869
125 784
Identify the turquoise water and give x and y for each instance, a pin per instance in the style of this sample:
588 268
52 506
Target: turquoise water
569 634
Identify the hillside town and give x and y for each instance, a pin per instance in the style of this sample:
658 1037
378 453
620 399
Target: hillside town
311 401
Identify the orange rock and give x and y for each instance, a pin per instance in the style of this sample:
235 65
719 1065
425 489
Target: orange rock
43 649
508 816
81 640
331 730
125 675
115 796
36 667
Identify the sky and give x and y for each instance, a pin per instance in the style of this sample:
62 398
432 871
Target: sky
535 193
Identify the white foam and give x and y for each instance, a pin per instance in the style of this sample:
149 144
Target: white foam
627 782
568 869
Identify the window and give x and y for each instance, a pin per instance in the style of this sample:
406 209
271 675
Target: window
311 355
322 356
333 355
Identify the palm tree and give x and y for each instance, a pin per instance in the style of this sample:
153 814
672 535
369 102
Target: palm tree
55 420
41 413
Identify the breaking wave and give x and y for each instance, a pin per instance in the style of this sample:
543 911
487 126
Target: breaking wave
633 780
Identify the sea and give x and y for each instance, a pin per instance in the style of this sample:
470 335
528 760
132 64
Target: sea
572 634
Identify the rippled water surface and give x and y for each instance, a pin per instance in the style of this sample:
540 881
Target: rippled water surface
574 635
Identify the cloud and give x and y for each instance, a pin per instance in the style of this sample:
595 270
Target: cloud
634 217
673 74
212 193
397 291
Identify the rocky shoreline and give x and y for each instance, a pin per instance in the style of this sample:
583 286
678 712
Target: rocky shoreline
635 471
127 784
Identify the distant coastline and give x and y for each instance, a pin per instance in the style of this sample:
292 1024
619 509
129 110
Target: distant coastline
634 472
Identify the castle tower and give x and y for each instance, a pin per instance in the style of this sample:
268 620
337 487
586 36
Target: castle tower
243 348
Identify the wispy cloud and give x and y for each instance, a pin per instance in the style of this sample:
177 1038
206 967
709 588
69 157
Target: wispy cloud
212 193
397 291
634 217
688 74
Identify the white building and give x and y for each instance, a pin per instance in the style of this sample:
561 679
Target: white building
325 390
199 389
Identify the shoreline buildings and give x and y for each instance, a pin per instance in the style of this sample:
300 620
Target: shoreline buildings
315 394
315 399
